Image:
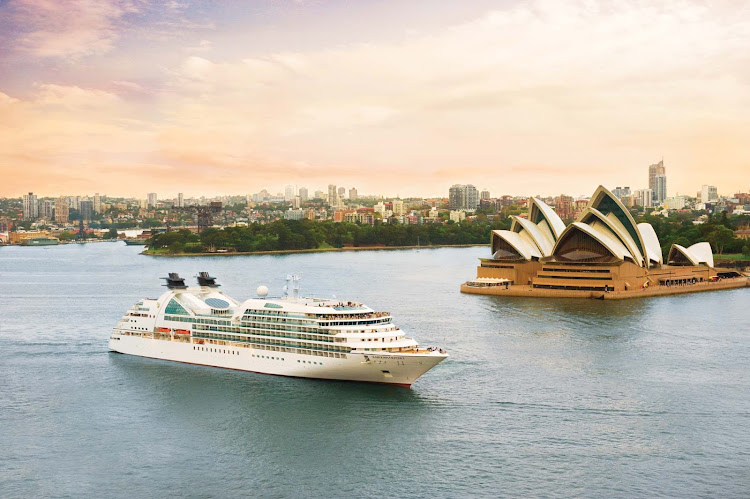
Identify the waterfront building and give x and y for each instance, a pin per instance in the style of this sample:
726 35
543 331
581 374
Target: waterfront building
303 194
709 194
653 171
151 199
604 254
463 197
62 210
86 210
398 207
353 194
46 209
457 215
30 206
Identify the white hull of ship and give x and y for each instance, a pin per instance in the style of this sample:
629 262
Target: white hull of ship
371 367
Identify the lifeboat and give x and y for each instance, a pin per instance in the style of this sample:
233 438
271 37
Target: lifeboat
182 331
164 330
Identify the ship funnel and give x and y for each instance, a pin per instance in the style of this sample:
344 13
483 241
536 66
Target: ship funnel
174 281
206 280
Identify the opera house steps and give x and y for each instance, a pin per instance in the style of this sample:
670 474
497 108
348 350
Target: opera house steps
604 255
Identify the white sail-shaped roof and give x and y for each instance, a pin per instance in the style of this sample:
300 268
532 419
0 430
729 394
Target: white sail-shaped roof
523 245
703 253
651 240
699 253
606 202
614 224
539 211
599 232
527 228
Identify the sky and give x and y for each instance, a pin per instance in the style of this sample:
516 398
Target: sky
393 97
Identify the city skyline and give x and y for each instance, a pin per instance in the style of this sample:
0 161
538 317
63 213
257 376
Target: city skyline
208 99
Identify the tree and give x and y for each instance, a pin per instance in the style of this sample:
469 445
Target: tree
720 237
112 234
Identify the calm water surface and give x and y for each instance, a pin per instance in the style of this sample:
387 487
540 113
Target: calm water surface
539 397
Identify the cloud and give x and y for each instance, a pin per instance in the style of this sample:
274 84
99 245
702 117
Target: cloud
564 95
74 28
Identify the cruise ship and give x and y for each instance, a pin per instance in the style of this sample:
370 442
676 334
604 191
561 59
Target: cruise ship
290 336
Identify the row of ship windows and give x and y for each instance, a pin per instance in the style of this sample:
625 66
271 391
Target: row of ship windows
271 334
288 350
233 352
311 346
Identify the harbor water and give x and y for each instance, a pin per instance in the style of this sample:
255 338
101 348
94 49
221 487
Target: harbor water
557 397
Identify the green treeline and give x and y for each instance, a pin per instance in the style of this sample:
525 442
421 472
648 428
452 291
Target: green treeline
718 230
307 234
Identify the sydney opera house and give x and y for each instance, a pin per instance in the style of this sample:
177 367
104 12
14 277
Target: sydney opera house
603 254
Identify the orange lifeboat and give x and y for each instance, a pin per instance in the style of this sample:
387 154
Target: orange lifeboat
182 331
164 330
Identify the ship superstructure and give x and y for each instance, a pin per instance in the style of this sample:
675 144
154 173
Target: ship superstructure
289 336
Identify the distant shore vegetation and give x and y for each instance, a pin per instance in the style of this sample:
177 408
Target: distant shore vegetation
289 235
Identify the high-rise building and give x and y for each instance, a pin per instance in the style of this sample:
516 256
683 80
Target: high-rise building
660 194
303 194
62 210
644 197
342 193
709 194
320 195
152 200
46 209
296 202
333 195
87 210
353 194
564 206
653 171
74 202
463 197
398 207
485 194
621 192
289 192
180 200
30 207
97 203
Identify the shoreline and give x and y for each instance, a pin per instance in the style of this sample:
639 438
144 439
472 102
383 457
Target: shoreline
313 250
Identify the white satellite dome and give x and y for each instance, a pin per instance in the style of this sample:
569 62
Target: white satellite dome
262 291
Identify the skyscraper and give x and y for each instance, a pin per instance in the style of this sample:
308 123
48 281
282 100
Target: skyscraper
289 192
353 193
333 195
97 203
30 207
463 197
709 194
180 200
653 171
62 210
660 194
485 194
342 193
303 194
87 209
152 200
